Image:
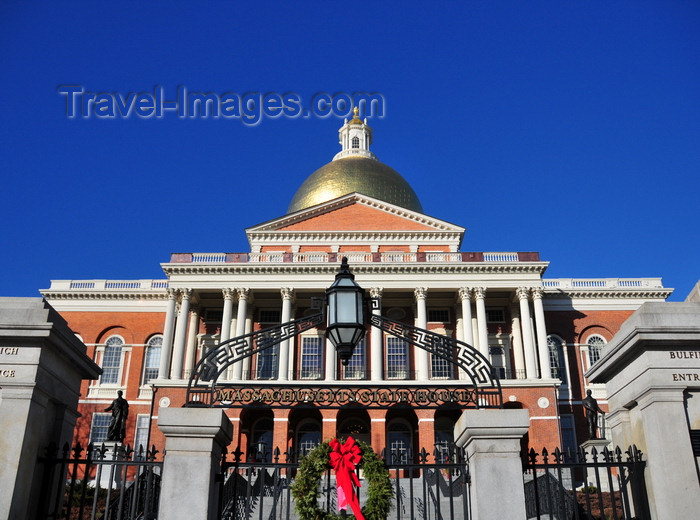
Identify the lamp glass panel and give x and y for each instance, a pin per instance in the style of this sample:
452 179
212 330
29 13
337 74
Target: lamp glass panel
346 310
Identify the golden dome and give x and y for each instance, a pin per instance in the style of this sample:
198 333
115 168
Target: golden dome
355 175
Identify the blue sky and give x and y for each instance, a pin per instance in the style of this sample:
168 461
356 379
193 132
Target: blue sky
568 128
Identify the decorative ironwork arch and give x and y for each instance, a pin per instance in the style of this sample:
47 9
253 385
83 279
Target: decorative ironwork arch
202 385
456 352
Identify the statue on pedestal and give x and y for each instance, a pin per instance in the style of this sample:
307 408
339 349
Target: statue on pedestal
592 411
117 425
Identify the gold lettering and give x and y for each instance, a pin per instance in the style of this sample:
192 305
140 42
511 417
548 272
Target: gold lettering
7 373
225 395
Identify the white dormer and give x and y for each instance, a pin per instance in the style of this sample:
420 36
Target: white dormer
355 136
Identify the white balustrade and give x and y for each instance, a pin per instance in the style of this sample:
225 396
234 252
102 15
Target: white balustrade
208 258
500 257
603 283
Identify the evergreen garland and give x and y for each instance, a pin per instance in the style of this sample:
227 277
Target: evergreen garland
316 463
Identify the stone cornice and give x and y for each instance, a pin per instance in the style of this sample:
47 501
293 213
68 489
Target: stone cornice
364 268
659 293
104 295
348 200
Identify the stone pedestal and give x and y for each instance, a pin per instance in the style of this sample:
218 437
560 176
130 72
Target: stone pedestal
194 440
650 367
111 474
591 478
491 439
42 364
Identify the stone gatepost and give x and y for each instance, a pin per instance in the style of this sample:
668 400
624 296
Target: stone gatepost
651 369
491 439
42 364
194 441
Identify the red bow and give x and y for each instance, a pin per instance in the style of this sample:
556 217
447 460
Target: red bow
343 460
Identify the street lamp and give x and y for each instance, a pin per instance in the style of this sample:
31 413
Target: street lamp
345 313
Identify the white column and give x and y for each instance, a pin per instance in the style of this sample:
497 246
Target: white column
181 335
168 328
330 362
543 349
528 345
283 365
421 357
480 295
465 297
240 327
227 316
377 342
190 353
518 354
226 319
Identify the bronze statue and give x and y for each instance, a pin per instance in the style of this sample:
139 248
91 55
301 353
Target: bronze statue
117 425
592 411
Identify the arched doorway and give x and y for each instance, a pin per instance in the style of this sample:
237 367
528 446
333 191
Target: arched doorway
354 422
305 426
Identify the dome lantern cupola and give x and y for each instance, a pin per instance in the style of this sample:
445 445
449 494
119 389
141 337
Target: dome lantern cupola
355 170
355 136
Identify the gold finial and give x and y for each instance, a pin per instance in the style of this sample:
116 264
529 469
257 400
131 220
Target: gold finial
356 112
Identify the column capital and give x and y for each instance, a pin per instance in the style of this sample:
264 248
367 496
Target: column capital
243 293
228 293
537 293
172 294
376 292
287 293
479 293
186 294
420 293
465 293
523 293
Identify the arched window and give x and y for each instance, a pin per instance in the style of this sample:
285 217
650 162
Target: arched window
355 142
308 436
112 360
556 357
595 345
399 442
152 362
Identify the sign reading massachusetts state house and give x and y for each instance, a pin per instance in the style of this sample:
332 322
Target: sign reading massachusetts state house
335 397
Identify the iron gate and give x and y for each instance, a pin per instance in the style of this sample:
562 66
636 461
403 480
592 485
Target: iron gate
586 486
107 481
437 490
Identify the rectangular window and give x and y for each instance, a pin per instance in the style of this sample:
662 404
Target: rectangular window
141 436
213 315
356 366
568 433
267 363
439 315
99 427
495 316
111 364
440 368
497 357
396 358
270 316
311 356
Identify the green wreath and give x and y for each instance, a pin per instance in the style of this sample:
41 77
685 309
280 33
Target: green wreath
316 463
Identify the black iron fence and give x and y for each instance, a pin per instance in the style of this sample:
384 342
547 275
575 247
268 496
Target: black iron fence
587 486
108 482
425 487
